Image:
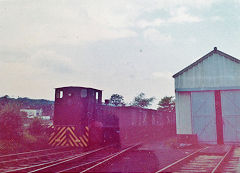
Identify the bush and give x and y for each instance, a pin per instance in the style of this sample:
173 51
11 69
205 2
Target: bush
11 122
27 143
34 142
36 127
14 137
9 146
37 134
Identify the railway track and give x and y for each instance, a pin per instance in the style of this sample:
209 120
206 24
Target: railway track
233 164
98 164
86 162
29 153
19 161
208 159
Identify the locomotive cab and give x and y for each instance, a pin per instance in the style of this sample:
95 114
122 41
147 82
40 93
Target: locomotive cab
75 105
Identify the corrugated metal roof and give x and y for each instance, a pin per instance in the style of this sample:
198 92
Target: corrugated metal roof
214 51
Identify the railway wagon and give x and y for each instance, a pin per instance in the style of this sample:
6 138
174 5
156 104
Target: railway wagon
138 124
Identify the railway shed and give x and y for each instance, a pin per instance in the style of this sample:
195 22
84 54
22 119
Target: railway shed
208 99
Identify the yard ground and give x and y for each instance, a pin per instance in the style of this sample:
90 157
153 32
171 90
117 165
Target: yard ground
150 157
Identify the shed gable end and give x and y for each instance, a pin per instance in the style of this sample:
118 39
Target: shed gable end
213 71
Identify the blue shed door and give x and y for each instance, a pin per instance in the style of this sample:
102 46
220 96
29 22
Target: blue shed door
204 116
231 116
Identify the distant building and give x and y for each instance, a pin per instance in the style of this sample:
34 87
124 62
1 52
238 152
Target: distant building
31 113
36 113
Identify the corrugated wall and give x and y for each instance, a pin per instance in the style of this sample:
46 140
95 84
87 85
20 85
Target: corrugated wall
183 113
214 72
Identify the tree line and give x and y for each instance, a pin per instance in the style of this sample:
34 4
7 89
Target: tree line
166 104
28 103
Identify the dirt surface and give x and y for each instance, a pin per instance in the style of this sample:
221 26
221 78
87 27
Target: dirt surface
149 158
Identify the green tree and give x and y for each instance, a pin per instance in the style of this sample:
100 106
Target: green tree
167 104
11 122
117 100
141 101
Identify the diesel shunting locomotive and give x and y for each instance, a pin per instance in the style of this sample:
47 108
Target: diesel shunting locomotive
76 121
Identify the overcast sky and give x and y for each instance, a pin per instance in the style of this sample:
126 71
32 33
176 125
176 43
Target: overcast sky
119 46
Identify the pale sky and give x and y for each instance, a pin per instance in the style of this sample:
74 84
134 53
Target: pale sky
119 46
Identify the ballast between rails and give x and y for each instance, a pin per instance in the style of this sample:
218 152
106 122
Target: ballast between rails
181 160
111 158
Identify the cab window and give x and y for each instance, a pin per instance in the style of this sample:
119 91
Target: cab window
83 93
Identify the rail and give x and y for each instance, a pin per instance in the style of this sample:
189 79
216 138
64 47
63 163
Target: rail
219 165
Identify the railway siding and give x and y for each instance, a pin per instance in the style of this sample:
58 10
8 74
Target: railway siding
209 159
